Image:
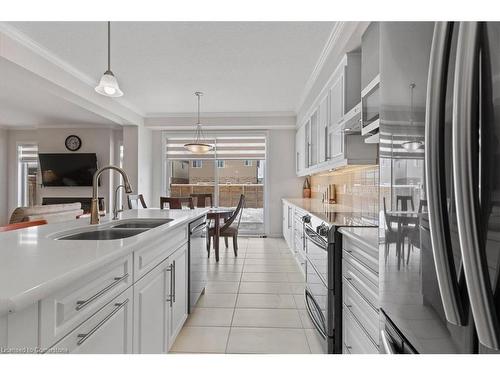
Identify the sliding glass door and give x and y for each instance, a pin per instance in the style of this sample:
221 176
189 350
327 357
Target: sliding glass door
235 167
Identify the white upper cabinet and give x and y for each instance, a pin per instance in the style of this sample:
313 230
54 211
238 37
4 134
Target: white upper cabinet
331 128
300 149
336 101
323 149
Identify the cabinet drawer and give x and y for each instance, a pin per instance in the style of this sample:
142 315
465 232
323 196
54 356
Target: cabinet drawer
65 310
109 331
361 278
365 254
356 341
364 312
148 257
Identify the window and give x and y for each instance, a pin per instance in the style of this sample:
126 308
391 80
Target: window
221 164
197 164
247 163
27 167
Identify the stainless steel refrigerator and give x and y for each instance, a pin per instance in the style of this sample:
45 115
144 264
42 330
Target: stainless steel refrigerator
439 105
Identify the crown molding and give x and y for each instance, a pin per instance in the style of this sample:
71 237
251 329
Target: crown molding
220 114
61 126
330 43
208 128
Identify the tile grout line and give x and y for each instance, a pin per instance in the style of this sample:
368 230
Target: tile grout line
235 303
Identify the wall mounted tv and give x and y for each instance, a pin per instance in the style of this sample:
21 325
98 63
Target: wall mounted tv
67 169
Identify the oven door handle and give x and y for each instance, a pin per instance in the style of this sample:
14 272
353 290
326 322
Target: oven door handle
320 326
315 238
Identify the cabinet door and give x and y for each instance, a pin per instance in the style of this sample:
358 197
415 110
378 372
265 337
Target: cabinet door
285 220
323 131
314 138
307 144
300 149
336 141
109 331
151 310
179 288
337 101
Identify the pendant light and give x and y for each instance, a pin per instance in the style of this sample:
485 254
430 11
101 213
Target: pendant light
198 146
108 85
413 144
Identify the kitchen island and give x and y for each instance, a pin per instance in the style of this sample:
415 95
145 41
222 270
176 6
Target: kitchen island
96 296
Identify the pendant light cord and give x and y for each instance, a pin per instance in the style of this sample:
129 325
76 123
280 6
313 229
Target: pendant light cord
109 46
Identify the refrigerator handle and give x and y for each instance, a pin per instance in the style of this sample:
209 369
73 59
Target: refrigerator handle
434 174
387 347
472 244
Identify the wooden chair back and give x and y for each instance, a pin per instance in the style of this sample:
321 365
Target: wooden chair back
201 199
134 200
404 200
23 224
176 203
236 214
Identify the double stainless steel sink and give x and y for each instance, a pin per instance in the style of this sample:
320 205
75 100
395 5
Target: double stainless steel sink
122 229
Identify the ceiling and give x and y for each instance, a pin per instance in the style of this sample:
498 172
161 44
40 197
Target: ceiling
23 102
240 66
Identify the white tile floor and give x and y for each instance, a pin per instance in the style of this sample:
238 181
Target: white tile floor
253 304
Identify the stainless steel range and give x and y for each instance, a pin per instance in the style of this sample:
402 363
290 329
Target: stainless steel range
323 292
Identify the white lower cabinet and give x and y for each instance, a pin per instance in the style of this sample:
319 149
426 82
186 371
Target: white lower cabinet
109 331
360 328
151 310
179 295
161 304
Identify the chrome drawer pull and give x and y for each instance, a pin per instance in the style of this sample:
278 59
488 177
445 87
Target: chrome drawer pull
81 304
173 278
84 336
170 293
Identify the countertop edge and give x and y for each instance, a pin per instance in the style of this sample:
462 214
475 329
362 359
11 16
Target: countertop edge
31 296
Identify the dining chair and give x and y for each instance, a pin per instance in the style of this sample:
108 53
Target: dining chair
391 233
413 233
134 200
201 199
176 203
21 225
230 228
402 201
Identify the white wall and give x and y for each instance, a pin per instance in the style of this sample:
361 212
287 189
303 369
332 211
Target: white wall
157 165
3 176
138 161
282 181
102 141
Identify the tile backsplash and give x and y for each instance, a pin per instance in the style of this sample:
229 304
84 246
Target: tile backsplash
355 186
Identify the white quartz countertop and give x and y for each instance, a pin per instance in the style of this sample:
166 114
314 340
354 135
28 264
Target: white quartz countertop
335 214
33 264
316 205
368 236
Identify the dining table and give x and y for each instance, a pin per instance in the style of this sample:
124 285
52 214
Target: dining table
217 214
405 220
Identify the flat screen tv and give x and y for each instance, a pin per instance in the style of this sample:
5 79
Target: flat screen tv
67 169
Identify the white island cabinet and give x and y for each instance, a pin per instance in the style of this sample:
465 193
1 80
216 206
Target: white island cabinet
123 296
160 308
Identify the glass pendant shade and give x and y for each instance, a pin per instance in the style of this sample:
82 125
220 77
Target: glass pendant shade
197 148
412 145
108 85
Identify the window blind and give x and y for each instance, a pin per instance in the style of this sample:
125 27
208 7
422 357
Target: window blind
27 153
224 147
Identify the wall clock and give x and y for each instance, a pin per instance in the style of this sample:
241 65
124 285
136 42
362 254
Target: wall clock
73 142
